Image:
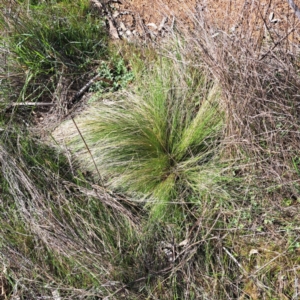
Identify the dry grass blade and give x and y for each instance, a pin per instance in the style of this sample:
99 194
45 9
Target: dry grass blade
60 218
261 92
88 149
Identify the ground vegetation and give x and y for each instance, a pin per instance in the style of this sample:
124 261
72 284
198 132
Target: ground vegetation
164 167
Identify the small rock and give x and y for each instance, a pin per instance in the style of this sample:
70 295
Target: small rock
122 26
162 23
112 30
116 14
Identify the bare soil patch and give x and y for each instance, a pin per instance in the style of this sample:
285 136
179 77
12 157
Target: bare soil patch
143 17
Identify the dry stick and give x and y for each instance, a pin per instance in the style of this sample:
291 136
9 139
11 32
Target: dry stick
296 288
16 104
110 201
276 44
31 104
84 89
87 147
235 260
267 263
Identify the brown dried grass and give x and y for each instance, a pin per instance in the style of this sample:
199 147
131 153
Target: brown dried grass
259 76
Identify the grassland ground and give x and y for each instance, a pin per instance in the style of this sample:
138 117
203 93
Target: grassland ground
167 170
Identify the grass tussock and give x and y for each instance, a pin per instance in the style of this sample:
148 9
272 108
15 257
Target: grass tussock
159 142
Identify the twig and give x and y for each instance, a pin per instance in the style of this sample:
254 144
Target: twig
295 296
276 44
84 89
267 263
87 147
16 104
235 260
26 104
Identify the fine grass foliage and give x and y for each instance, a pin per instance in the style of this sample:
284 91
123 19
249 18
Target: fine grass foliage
159 143
51 229
45 42
56 34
